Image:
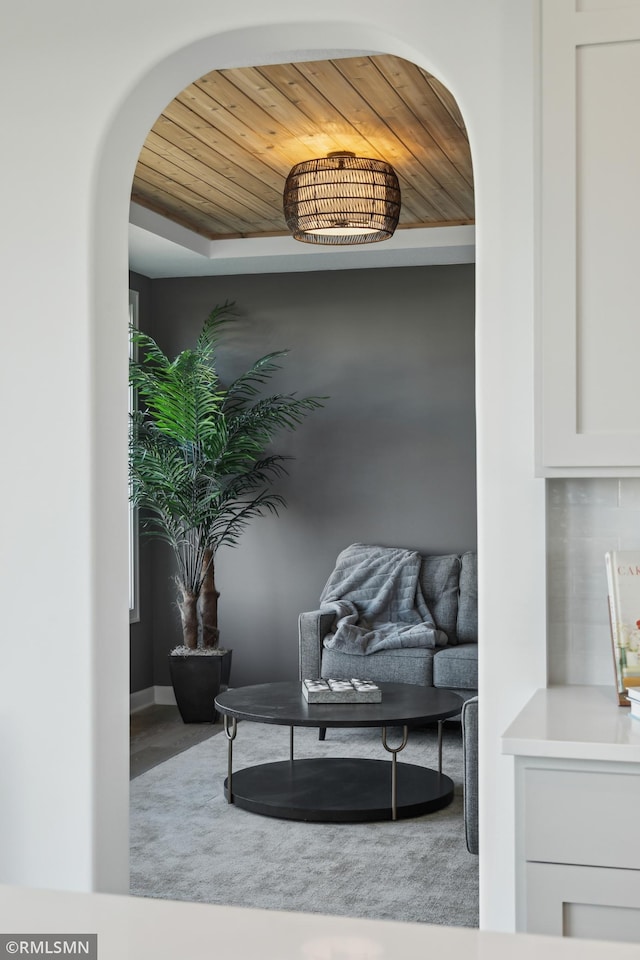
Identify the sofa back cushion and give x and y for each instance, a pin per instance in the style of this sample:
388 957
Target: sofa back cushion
440 580
467 625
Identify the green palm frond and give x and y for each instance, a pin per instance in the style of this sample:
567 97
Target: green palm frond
246 387
237 514
184 398
257 424
199 469
209 337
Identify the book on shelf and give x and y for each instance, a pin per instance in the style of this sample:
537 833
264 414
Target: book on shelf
341 691
633 694
623 586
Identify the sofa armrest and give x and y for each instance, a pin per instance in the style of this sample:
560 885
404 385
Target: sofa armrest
312 628
470 762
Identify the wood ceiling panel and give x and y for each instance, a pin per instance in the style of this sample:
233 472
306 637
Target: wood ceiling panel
195 189
230 194
429 182
342 111
179 197
421 139
278 91
243 161
217 158
219 163
157 198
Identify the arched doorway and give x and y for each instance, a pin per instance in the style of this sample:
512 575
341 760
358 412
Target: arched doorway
462 72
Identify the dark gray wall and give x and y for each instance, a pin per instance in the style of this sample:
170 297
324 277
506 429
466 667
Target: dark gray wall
141 657
389 460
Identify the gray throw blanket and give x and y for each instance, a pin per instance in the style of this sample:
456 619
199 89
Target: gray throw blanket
375 595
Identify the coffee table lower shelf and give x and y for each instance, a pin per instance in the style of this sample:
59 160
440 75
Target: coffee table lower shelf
338 790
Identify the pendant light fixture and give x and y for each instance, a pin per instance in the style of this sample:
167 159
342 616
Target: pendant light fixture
342 199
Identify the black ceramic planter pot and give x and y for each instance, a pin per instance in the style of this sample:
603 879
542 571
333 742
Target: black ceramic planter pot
196 683
225 671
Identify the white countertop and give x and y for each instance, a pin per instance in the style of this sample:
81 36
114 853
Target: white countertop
581 723
131 928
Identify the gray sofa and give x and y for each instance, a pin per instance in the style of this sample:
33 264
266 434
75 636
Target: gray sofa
470 772
449 586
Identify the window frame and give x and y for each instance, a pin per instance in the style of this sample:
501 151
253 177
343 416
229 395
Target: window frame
134 539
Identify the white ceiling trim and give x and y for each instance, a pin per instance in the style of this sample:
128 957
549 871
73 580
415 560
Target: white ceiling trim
160 248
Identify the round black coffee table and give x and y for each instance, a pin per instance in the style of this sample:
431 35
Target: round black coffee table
340 790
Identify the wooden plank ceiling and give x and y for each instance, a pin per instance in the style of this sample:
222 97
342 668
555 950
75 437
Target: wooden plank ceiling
217 158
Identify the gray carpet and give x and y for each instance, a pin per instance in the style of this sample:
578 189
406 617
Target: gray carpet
187 843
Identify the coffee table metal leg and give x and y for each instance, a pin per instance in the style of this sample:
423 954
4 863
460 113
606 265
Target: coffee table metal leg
291 744
394 751
440 723
230 734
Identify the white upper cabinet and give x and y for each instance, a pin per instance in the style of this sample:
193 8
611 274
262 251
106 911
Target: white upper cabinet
588 343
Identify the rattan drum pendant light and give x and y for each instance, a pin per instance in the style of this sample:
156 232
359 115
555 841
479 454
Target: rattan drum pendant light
341 199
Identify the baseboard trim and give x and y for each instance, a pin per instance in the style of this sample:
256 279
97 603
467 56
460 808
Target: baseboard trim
164 696
140 699
151 695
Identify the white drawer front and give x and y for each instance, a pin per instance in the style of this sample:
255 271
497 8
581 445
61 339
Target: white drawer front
592 903
582 817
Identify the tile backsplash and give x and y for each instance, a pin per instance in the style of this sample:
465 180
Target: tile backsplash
585 518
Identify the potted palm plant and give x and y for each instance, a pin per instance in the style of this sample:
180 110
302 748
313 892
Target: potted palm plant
199 473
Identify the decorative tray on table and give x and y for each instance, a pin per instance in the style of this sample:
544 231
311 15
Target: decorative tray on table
341 691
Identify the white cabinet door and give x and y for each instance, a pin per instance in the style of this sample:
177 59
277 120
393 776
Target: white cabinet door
588 343
593 903
582 817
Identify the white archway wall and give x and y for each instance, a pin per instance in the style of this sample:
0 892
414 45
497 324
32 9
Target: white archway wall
109 72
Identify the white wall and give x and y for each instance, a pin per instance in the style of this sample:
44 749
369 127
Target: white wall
585 518
91 80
